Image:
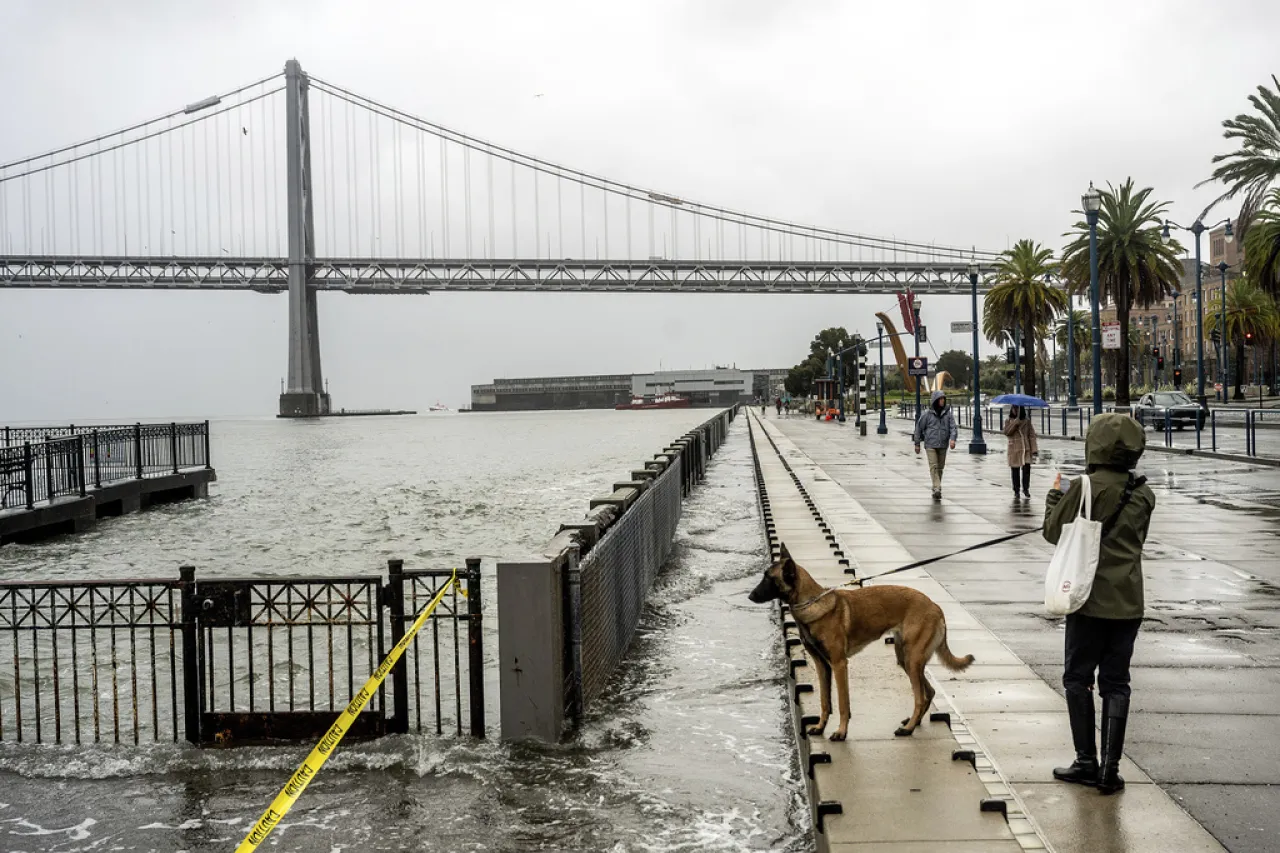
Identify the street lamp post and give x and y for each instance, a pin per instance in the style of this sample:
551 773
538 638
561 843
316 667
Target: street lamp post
1017 360
1224 367
1155 383
978 444
1197 228
1092 203
883 429
915 315
840 370
1072 400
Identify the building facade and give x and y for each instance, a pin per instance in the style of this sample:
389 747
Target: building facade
720 386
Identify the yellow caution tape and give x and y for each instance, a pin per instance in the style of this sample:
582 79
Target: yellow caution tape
320 754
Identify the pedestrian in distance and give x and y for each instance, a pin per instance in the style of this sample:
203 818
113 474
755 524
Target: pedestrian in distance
1022 448
936 430
1101 634
777 405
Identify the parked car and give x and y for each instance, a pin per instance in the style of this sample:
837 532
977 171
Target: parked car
1182 410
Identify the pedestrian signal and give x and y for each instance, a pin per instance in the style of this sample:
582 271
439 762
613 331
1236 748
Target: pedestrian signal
1177 376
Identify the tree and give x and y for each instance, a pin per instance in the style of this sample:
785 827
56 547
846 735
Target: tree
995 375
1022 298
1262 262
1079 322
959 364
1251 169
1135 266
800 380
1251 312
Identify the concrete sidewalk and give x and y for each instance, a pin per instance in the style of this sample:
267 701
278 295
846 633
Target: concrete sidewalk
1205 723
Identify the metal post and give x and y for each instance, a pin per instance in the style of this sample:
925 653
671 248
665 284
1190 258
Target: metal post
840 371
1072 400
192 700
475 647
1197 228
883 429
1092 216
208 457
915 333
137 449
80 463
48 471
1224 366
27 473
573 628
173 445
1017 360
97 462
978 444
394 597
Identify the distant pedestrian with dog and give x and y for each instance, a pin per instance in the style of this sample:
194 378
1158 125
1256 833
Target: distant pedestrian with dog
936 430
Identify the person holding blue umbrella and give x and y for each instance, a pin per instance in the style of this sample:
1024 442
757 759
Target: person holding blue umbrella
1022 447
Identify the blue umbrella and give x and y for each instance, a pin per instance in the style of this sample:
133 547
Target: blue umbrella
1020 400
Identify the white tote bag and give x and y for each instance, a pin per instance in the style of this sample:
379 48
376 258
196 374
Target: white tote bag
1069 580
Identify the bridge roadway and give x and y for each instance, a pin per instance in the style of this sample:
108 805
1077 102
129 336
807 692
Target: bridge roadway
900 795
426 275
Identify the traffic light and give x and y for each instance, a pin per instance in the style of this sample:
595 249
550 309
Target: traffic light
924 335
1159 362
1010 355
1155 351
1177 376
1248 339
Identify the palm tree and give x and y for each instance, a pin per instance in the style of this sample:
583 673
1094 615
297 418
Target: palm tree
1079 321
1022 298
1251 169
1135 266
1251 313
1262 262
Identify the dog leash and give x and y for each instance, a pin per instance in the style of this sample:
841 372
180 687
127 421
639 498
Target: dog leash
919 563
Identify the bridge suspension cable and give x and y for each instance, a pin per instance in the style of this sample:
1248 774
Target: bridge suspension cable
630 192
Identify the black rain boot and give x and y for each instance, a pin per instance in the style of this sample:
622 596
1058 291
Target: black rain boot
1115 716
1084 771
1014 475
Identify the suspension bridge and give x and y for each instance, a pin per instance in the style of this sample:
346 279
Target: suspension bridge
293 184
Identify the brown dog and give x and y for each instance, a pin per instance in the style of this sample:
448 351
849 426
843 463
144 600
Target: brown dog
836 624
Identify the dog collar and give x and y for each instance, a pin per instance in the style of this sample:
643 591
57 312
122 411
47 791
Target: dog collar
813 600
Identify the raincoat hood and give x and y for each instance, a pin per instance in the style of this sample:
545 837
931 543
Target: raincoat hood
935 397
1114 441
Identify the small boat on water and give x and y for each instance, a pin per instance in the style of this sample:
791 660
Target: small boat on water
662 401
438 407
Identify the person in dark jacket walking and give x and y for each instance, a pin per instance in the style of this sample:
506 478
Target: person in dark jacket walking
936 430
1022 447
1101 634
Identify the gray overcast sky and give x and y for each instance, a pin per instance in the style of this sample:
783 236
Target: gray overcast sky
965 124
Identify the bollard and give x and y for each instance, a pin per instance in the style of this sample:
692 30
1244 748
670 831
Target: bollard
393 595
475 647
192 698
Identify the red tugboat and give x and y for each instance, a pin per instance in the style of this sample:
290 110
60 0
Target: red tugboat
662 401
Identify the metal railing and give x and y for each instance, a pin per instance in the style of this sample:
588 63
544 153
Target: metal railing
568 619
39 464
235 661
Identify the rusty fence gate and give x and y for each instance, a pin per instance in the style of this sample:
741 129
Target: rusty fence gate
236 661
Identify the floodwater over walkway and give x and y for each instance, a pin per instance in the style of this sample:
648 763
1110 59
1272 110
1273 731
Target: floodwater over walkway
691 750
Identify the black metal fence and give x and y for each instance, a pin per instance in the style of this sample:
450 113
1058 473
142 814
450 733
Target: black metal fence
235 661
569 618
39 464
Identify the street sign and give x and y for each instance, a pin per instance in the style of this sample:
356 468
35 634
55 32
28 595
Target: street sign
962 327
918 366
1111 336
1217 386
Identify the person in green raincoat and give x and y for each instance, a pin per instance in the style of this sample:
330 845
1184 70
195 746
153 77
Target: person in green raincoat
1100 635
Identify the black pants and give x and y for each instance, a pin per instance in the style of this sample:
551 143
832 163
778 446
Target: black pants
1026 477
1104 645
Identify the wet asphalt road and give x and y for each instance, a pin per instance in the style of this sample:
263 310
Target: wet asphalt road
1206 675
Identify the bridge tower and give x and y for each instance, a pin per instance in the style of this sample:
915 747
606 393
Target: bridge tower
304 395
